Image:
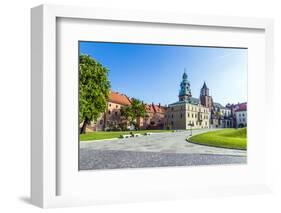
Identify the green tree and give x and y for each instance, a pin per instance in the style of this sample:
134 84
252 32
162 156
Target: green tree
93 90
134 111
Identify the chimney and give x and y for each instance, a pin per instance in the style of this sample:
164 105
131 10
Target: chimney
159 105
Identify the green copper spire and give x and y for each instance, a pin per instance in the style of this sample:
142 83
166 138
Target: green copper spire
185 91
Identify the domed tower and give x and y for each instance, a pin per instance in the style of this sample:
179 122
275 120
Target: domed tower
205 99
185 91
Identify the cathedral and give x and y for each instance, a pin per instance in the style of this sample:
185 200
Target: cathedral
190 112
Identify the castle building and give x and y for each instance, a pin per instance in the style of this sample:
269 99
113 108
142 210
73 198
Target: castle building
154 118
111 119
188 112
241 118
205 99
220 116
239 113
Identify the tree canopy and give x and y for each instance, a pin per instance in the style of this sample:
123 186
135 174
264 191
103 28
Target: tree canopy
134 111
94 88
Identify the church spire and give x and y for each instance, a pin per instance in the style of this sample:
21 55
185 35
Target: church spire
205 99
184 76
204 85
185 91
204 90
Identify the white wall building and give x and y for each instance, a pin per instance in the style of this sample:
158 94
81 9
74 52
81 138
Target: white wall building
241 118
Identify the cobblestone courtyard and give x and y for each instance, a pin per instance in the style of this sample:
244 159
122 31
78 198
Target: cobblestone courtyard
156 150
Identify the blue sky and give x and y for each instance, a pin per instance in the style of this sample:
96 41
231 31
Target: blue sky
153 73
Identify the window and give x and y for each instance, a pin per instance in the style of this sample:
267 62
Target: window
109 112
116 113
181 115
172 115
243 115
116 106
172 108
110 105
187 114
101 122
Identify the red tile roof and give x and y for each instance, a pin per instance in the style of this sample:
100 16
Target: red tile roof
159 108
238 107
118 98
241 107
151 108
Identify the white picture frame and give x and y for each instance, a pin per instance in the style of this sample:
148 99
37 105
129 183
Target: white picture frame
45 168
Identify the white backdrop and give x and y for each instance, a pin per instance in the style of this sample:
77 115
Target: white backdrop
15 98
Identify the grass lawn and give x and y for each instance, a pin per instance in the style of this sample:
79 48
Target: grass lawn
226 138
108 135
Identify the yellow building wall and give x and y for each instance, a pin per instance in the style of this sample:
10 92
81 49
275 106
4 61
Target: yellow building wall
180 116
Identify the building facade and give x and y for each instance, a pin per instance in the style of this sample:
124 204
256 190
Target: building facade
239 112
112 119
241 118
201 113
154 118
188 112
220 116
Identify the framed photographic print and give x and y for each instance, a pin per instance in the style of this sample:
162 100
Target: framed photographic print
130 106
136 130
